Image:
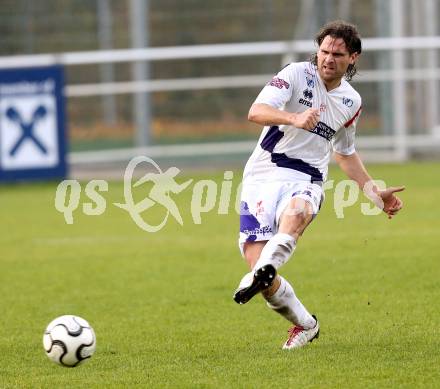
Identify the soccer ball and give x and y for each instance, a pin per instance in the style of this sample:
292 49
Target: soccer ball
69 340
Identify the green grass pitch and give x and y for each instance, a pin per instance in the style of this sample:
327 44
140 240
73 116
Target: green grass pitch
161 303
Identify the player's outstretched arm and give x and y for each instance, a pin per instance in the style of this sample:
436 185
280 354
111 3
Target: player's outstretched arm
385 199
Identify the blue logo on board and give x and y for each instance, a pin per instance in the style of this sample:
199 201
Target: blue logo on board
27 128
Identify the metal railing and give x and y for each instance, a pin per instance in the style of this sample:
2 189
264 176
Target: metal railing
400 142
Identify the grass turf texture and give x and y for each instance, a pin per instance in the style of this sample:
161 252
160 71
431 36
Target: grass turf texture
161 304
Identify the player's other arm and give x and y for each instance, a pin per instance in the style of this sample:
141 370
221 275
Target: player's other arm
267 115
353 167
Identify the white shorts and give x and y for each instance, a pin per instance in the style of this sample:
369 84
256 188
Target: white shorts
262 204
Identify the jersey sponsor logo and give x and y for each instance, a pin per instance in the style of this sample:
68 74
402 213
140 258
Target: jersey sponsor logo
310 82
279 83
324 131
307 93
348 102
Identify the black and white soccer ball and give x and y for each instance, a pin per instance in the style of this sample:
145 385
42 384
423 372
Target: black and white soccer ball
69 340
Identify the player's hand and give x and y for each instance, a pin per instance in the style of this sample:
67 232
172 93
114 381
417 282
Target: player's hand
391 203
307 119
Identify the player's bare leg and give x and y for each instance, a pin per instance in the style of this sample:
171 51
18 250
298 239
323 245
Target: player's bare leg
264 258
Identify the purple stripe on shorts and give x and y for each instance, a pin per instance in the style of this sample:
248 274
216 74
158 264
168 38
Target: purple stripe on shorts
248 222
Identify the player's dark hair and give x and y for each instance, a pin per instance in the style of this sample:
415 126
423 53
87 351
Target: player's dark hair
349 34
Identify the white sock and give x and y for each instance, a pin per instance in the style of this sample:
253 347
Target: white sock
277 251
285 302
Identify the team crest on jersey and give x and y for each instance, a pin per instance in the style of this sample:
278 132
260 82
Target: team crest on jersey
348 102
259 208
324 131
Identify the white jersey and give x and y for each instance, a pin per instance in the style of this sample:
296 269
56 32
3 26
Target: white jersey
285 152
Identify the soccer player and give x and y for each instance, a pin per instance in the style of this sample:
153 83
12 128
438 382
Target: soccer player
309 111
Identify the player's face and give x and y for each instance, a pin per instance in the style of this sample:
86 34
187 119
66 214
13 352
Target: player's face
333 60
